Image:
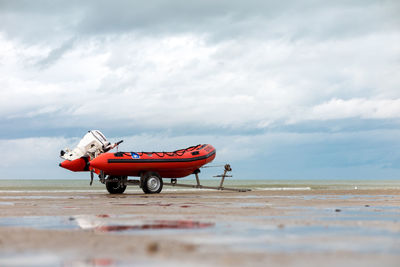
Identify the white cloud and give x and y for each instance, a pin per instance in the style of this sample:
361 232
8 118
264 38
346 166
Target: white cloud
356 108
29 152
183 80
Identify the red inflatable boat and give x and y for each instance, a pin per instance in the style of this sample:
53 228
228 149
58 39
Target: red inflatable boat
114 168
176 164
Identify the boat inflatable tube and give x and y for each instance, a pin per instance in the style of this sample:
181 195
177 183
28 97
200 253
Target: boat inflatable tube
176 164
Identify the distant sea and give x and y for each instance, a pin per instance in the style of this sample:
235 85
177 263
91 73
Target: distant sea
8 185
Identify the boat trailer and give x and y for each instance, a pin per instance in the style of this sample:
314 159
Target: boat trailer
227 168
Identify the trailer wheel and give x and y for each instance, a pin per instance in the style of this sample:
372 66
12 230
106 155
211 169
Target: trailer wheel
152 183
115 187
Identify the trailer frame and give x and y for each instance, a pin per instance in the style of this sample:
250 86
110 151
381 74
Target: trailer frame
125 181
227 168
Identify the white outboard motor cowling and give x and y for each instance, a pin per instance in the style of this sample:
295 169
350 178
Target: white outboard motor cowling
91 145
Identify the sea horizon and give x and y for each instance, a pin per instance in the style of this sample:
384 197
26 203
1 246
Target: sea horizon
253 184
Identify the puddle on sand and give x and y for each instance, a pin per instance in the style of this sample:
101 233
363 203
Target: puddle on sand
39 222
305 197
43 197
258 236
300 238
191 204
101 223
251 205
62 260
352 213
29 260
157 204
2 203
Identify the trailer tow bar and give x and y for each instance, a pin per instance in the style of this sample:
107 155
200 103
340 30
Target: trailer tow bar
227 168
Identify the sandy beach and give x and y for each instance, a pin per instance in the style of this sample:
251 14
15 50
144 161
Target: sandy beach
201 228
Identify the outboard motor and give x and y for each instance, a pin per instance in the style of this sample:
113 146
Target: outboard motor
92 144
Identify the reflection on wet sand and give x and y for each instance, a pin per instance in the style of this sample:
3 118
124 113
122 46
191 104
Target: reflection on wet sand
101 222
156 225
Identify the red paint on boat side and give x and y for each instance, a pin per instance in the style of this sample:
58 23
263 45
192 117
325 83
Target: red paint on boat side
175 164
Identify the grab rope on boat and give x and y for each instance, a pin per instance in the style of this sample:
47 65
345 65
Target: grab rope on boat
179 152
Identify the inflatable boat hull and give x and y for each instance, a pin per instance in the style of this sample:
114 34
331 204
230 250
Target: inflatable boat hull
174 164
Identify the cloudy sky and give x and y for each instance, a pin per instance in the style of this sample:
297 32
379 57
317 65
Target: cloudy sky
282 89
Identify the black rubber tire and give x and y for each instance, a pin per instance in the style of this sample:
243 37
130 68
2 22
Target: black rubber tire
115 188
152 183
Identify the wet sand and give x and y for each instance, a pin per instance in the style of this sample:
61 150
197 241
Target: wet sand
201 228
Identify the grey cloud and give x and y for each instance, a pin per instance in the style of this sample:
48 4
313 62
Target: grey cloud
56 54
157 88
38 20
